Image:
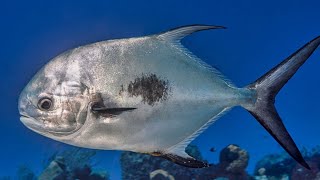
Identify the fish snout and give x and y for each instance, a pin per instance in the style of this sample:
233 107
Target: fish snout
25 106
28 114
22 104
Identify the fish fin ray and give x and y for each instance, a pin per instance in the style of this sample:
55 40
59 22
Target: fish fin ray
203 64
183 159
176 34
205 126
174 37
180 147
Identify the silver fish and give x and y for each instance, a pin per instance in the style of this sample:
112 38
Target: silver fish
149 95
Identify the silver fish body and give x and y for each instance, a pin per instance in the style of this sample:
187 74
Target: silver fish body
191 95
172 94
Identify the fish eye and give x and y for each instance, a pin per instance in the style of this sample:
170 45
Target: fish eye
45 104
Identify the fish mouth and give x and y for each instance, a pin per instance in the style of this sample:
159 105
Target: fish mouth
39 127
25 116
32 124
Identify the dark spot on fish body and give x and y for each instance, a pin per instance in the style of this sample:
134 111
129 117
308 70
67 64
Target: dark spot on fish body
121 90
151 88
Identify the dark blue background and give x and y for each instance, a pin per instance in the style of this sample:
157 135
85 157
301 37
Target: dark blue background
260 34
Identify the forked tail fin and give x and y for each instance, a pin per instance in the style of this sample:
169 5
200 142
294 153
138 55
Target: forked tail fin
268 86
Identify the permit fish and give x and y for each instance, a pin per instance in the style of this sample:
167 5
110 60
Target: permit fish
149 95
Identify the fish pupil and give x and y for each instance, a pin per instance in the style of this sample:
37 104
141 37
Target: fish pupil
45 104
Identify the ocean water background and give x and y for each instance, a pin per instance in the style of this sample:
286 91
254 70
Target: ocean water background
260 34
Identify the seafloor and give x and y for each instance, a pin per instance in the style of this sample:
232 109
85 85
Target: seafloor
77 164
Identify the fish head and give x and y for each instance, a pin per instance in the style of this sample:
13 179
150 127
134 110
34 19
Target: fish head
55 102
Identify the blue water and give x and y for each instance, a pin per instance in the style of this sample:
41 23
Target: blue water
260 34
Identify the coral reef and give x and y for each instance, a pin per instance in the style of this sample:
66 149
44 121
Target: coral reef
232 165
160 174
274 165
140 166
70 164
281 166
233 162
24 173
77 163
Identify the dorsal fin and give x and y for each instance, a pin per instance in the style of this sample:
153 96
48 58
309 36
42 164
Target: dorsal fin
176 34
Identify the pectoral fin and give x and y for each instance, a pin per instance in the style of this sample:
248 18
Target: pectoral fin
106 111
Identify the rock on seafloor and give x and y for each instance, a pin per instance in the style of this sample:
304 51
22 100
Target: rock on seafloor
282 166
232 165
76 163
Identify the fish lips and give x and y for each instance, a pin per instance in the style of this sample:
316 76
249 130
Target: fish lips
32 124
38 127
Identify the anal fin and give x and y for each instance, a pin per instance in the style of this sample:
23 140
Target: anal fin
177 152
182 159
186 162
